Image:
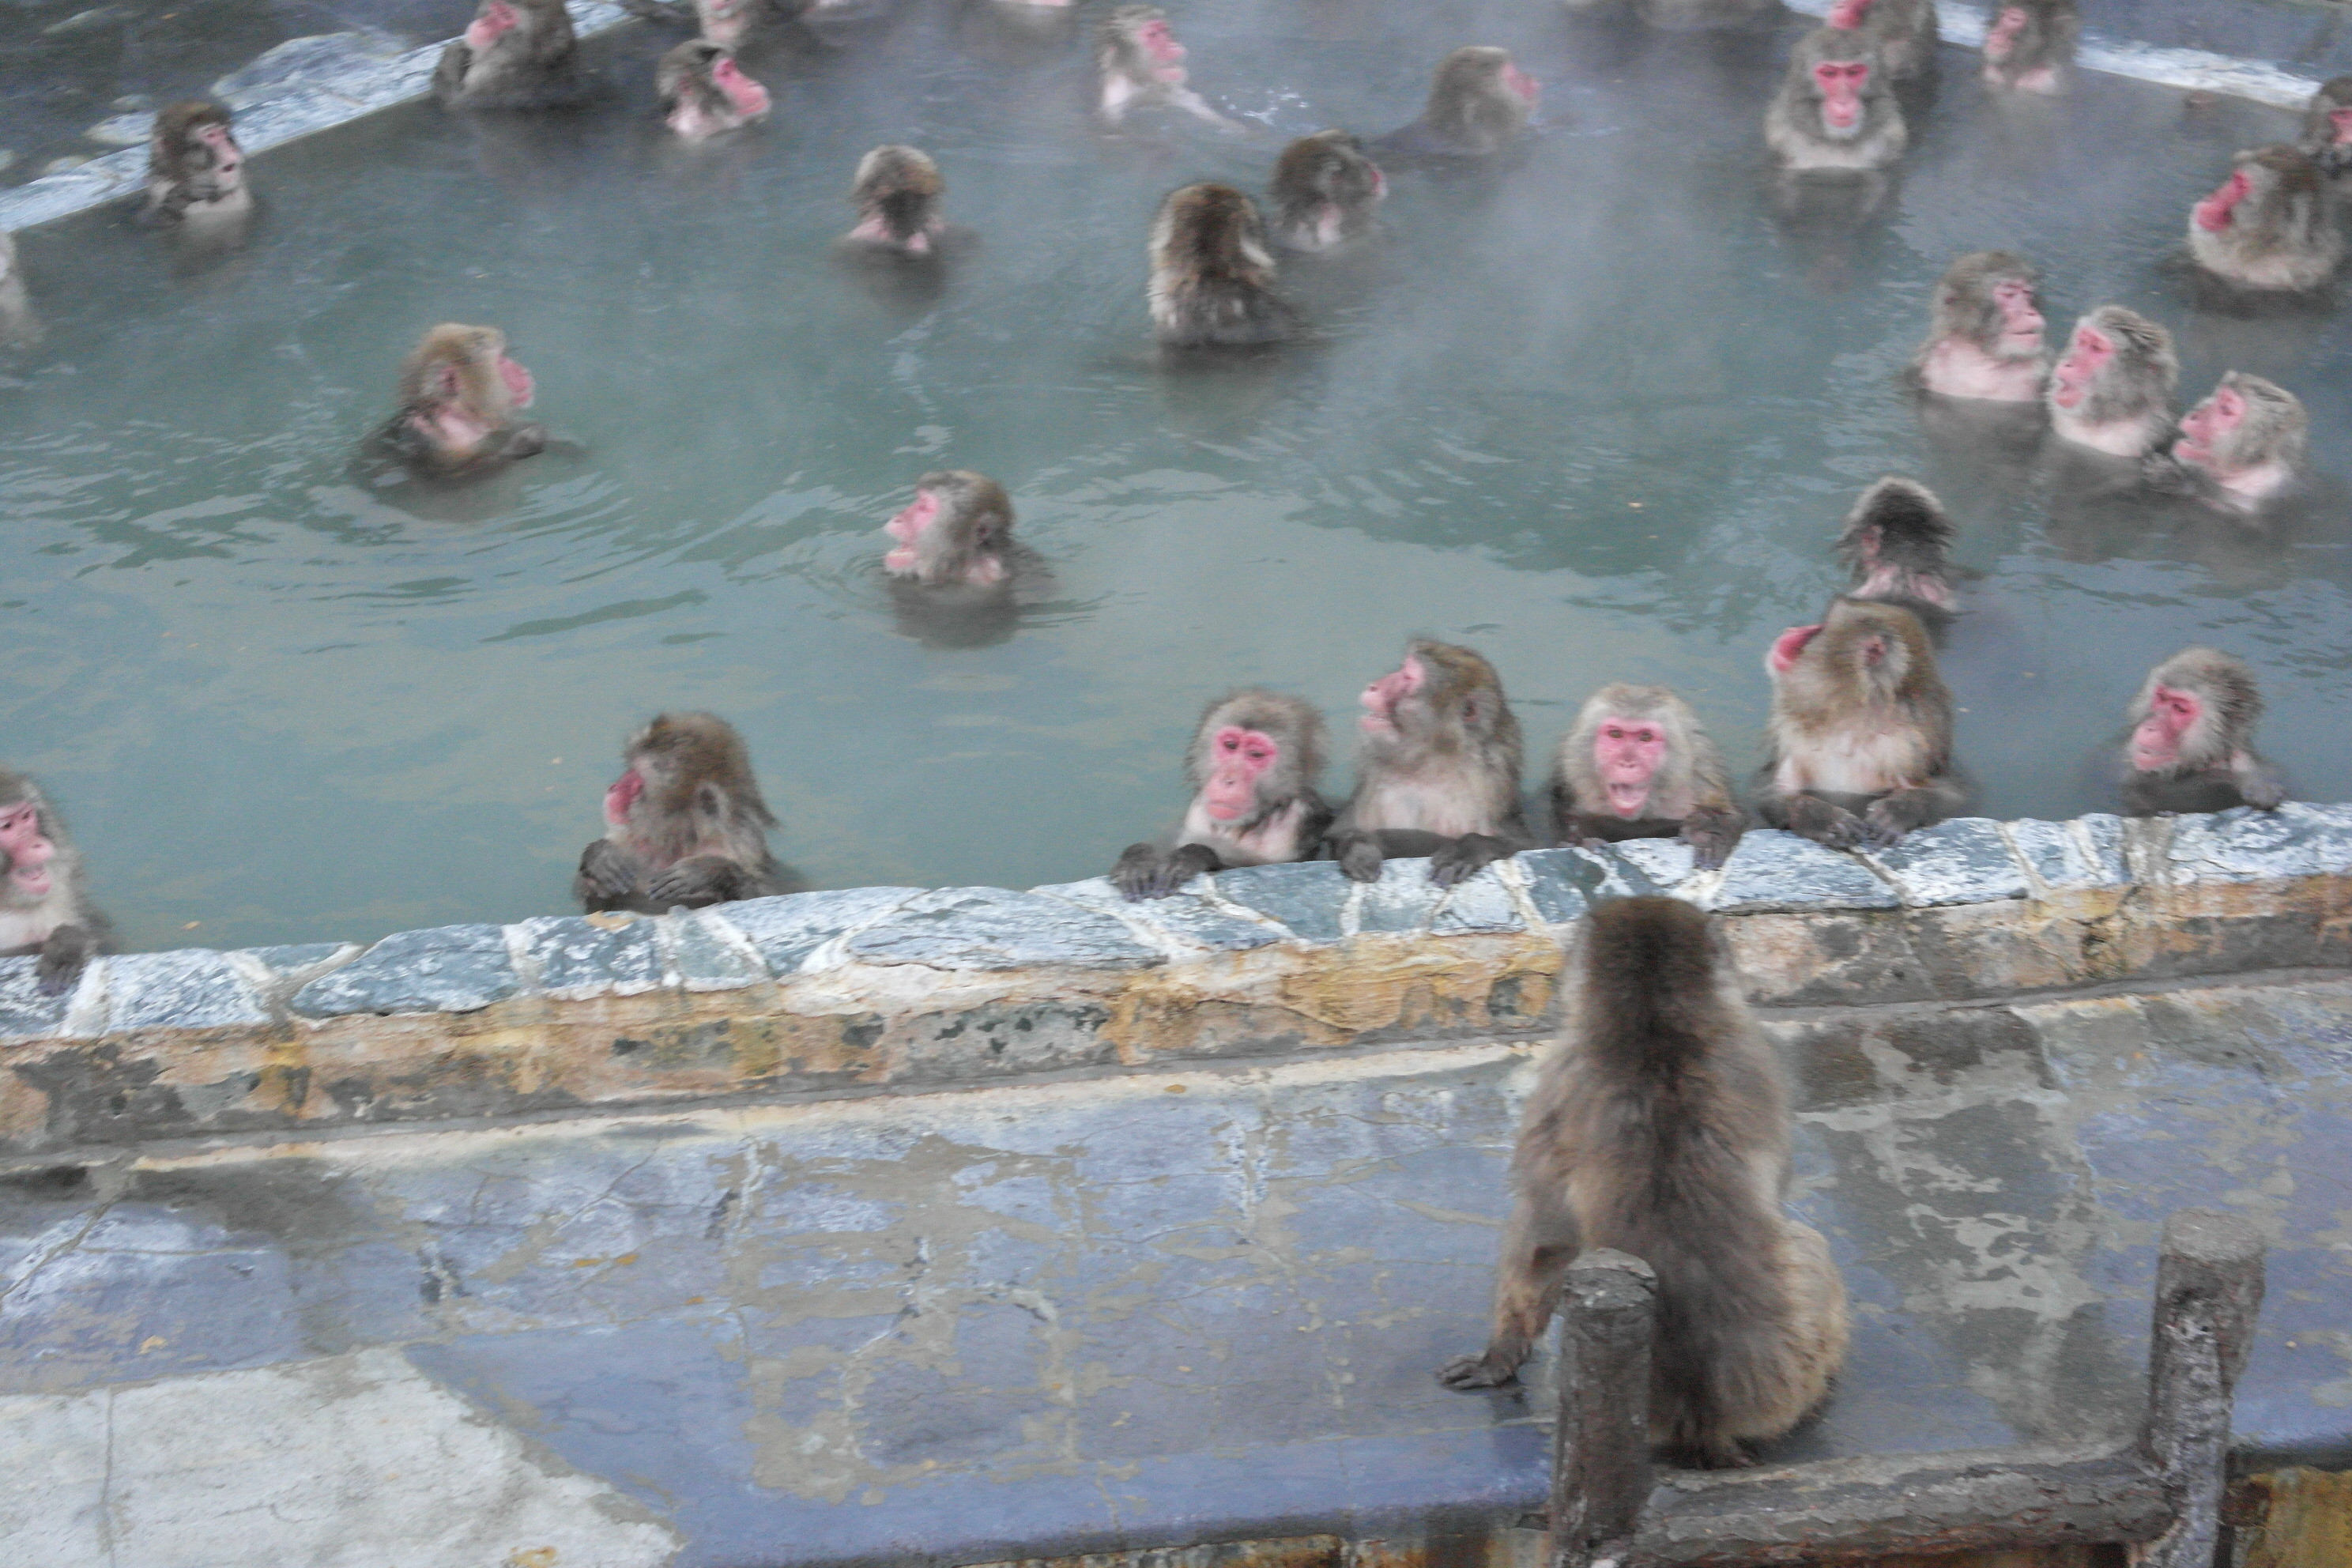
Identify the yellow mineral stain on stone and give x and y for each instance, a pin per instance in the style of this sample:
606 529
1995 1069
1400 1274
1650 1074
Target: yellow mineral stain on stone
153 1343
2304 1519
609 919
531 1557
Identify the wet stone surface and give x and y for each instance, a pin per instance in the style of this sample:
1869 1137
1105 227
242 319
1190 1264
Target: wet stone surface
576 956
1184 916
25 1012
448 969
784 931
2246 845
2085 853
1963 861
191 989
992 927
708 953
1305 899
1775 870
1563 884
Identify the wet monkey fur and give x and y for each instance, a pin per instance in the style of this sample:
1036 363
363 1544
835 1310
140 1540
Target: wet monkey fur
1835 114
515 54
1896 547
2269 225
2191 745
1480 104
2112 390
957 531
459 392
1904 32
1324 191
1638 766
44 913
2029 45
196 170
704 93
897 191
685 824
1211 275
1659 1126
1139 65
1985 341
1437 769
1253 766
2249 441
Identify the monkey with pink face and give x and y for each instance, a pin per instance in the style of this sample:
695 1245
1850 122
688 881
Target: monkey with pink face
2192 746
1834 113
460 393
515 54
196 171
1139 65
1638 766
44 913
2270 229
704 93
1253 764
1986 340
2029 45
2246 443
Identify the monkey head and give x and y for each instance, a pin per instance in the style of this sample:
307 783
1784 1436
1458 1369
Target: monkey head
683 770
1631 739
2000 38
2261 178
457 365
897 189
1838 70
1441 696
2173 716
2329 121
28 844
494 21
2117 365
1860 647
2244 422
1140 33
2194 710
1847 14
706 91
1480 70
1253 751
955 530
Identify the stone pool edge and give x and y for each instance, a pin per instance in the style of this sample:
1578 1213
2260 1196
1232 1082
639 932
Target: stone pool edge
870 989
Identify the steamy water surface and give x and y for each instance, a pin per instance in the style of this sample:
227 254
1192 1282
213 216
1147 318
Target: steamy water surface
1599 417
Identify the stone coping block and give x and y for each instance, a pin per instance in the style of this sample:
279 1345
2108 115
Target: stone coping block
865 988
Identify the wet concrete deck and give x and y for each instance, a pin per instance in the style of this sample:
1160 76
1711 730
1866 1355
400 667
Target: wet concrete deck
1051 1317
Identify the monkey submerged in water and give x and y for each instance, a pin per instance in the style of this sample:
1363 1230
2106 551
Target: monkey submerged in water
1138 64
1212 274
897 191
2112 391
1478 105
685 822
2029 45
1253 764
2248 440
196 170
1834 113
1859 747
704 93
1659 1126
1638 766
515 54
957 531
1986 340
2327 127
1896 547
2268 226
2192 746
44 913
1324 191
459 395
1437 769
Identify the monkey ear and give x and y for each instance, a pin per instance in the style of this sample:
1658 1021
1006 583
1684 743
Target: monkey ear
448 381
712 802
1474 708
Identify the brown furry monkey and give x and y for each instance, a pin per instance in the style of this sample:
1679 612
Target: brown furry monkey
44 911
1859 748
1437 769
1212 274
1897 549
1138 64
704 93
1324 190
2269 224
1253 764
2112 389
1986 340
1904 32
196 170
1479 103
1835 114
686 825
1638 766
1659 1126
897 191
515 54
2327 127
958 530
2029 45
459 392
2249 439
2192 746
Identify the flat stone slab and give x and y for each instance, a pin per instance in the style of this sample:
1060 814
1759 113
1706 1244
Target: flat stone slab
1963 861
1042 1319
448 969
1775 870
2248 846
787 932
994 928
1184 918
2087 852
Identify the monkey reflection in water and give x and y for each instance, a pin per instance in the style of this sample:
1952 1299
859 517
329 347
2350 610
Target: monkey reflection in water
1659 1126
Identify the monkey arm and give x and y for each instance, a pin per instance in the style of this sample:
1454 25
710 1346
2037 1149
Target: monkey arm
2258 780
514 441
1464 858
608 878
700 879
1890 816
67 950
1713 833
1144 871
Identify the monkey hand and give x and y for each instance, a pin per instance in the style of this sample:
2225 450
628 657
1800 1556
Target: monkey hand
520 441
1466 857
1359 854
1713 834
1144 873
2260 786
1810 816
697 880
1467 1375
608 876
63 957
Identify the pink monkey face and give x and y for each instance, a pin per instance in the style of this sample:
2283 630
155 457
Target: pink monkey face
2156 743
622 796
497 20
1786 648
1521 85
520 386
908 525
28 849
2208 423
1239 758
1840 82
2001 36
2089 356
1627 753
1381 697
749 97
2339 125
2212 214
2021 319
1160 42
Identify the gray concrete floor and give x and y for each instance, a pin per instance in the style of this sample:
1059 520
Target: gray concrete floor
1031 1318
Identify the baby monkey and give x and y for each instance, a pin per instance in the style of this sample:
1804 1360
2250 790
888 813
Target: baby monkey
1659 1126
196 170
459 392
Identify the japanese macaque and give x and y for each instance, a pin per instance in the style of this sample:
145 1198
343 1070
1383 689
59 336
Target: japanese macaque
2029 45
196 171
1478 104
43 911
1833 112
1659 1126
705 93
1437 769
2249 438
1212 274
1859 748
1324 191
1905 32
459 393
897 191
1253 766
515 54
2268 227
1637 765
2112 390
2191 739
1138 64
1986 342
957 530
1897 549
2327 126
685 824
18 325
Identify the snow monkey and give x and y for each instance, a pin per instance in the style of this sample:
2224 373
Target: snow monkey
1637 765
2192 746
685 824
1253 764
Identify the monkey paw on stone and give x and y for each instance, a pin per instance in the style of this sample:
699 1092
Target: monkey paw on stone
1810 816
1469 1373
